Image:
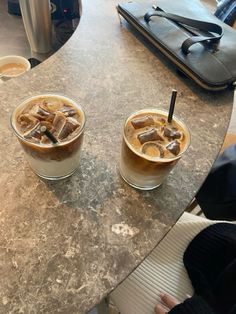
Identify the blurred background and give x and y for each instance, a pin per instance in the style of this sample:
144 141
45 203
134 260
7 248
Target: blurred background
65 16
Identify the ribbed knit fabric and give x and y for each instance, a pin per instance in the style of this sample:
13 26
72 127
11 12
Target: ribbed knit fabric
161 271
210 260
207 260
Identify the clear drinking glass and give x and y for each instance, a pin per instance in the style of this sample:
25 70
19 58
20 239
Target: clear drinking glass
48 160
143 171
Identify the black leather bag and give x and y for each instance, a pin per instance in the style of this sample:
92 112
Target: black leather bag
199 44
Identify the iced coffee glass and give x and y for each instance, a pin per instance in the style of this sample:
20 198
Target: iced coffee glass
64 119
151 147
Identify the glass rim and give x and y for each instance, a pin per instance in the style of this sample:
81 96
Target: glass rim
50 145
156 159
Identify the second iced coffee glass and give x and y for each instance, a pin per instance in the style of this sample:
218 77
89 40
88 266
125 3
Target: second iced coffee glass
49 160
141 170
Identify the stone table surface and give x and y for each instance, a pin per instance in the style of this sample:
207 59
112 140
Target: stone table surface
61 248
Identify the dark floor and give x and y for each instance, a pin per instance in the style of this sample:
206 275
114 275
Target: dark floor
13 37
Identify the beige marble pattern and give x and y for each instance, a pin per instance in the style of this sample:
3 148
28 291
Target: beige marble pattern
58 251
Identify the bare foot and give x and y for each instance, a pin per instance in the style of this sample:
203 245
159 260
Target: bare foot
169 302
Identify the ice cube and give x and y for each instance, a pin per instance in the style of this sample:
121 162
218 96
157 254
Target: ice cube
27 122
174 147
44 112
172 134
141 122
150 135
69 127
59 122
41 112
68 111
153 149
52 105
34 134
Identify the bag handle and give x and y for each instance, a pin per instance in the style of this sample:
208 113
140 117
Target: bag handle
200 25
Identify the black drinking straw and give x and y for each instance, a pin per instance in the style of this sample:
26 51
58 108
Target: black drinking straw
44 130
172 105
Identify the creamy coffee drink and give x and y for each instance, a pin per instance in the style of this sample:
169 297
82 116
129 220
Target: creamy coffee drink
151 147
50 129
12 69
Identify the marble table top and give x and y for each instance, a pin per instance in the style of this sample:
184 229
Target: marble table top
65 245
